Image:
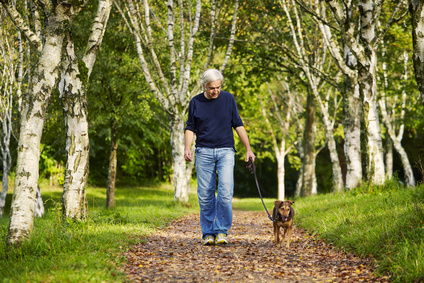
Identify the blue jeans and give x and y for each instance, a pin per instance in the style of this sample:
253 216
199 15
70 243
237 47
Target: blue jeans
216 213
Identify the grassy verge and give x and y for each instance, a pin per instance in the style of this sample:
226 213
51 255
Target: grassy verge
89 251
386 223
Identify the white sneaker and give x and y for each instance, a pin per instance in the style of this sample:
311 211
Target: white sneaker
221 239
208 240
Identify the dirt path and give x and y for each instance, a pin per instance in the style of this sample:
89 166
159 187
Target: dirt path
176 253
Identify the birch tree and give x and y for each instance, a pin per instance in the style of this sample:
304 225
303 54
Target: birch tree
279 142
55 53
8 65
312 60
352 104
392 118
72 87
364 50
14 93
416 8
172 74
34 107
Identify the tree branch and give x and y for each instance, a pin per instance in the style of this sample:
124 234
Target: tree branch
21 24
232 35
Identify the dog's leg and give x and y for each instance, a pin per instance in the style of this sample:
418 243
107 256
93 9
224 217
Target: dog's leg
278 235
275 233
289 236
284 234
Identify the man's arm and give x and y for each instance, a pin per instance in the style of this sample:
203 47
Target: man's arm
241 131
188 139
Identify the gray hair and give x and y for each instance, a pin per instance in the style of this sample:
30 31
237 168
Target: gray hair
211 75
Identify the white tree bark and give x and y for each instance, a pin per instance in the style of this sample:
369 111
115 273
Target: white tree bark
351 101
72 87
113 162
172 91
389 157
416 8
7 87
39 206
58 20
365 52
314 81
72 93
309 153
177 143
35 104
390 121
352 106
279 147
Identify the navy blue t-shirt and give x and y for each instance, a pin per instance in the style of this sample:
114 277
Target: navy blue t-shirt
213 120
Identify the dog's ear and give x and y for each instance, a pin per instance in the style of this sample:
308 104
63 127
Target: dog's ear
290 201
277 203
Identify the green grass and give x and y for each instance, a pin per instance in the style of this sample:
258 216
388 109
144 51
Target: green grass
88 251
386 223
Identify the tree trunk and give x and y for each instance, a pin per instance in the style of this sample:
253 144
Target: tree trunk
6 127
331 142
111 176
308 178
39 206
35 105
409 174
73 87
299 147
389 157
280 150
368 87
5 185
314 81
352 107
281 172
7 78
416 9
177 146
364 49
396 140
376 169
72 93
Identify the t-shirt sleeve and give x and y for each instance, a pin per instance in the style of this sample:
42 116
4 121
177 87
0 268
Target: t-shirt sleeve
236 119
190 120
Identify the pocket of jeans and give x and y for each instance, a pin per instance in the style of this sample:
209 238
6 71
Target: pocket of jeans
229 149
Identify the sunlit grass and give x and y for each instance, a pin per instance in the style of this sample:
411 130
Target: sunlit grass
386 223
92 250
253 204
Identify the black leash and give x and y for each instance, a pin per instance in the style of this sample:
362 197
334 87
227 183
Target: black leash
252 168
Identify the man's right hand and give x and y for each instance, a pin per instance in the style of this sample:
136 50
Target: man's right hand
187 155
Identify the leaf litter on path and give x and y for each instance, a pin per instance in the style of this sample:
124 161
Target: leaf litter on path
176 254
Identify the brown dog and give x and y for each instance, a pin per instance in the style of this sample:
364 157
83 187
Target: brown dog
283 215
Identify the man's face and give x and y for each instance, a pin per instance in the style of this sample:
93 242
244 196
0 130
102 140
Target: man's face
213 89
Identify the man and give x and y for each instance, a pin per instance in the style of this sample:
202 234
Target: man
212 115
